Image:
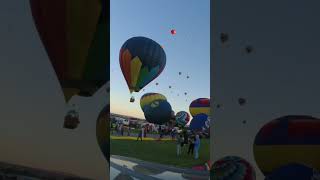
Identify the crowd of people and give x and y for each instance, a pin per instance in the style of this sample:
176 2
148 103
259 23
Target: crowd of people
184 139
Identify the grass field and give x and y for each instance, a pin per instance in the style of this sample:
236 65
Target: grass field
163 152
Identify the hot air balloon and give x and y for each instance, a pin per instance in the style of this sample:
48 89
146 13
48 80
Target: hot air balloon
71 120
170 87
199 122
179 73
182 118
198 106
293 171
173 32
156 109
232 167
75 46
293 138
185 93
157 84
141 61
224 37
103 131
249 49
149 98
242 101
187 77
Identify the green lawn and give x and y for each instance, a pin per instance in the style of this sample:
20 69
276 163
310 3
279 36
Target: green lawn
163 152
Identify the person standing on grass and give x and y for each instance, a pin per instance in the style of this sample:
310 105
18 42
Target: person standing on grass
128 131
140 135
191 145
197 146
145 131
179 141
142 131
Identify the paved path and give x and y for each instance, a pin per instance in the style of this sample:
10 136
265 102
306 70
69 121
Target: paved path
137 169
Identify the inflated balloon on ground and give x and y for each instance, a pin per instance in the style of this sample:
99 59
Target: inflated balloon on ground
149 98
232 168
182 118
200 106
158 112
199 122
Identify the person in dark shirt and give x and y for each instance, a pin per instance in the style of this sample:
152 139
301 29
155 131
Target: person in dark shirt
191 145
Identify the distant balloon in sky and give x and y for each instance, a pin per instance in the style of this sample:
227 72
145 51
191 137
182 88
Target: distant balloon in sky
242 101
232 167
141 61
185 93
198 106
188 77
182 118
173 32
249 49
71 120
179 73
169 86
224 37
76 47
103 131
157 84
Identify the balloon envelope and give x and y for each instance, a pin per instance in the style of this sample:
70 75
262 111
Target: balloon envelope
75 46
141 61
103 131
158 113
232 168
182 118
200 106
149 98
199 122
293 171
294 138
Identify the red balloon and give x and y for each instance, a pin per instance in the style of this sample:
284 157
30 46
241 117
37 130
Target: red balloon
173 31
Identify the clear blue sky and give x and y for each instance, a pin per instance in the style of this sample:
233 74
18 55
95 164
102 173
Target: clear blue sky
188 51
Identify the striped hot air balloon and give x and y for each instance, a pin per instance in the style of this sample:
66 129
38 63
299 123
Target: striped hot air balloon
141 61
74 35
149 98
156 108
200 106
294 138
